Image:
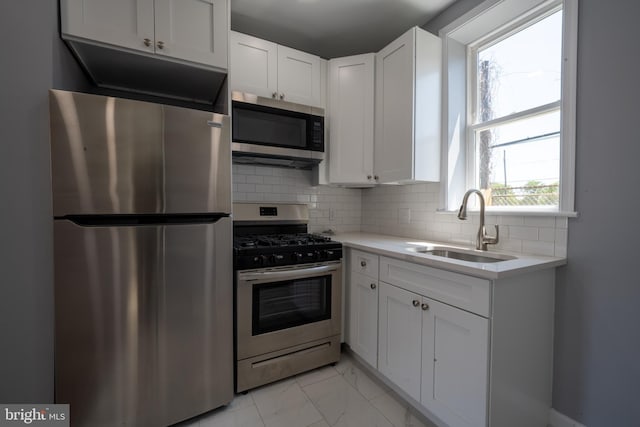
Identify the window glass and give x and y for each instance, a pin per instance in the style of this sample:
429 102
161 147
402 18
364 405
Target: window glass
519 162
518 89
521 71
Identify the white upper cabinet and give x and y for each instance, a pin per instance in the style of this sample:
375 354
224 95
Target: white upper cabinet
267 69
185 30
351 113
193 30
253 65
407 140
124 23
298 76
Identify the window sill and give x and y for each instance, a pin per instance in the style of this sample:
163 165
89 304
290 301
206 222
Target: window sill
515 212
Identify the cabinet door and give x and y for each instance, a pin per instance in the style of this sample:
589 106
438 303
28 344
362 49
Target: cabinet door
124 23
351 88
454 364
298 77
399 347
192 30
363 317
395 73
253 65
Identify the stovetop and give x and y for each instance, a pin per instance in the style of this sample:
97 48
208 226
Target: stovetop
270 250
275 235
278 240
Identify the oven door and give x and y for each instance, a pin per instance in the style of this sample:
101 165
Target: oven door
283 307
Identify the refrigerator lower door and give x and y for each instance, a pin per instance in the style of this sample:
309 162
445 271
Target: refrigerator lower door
143 322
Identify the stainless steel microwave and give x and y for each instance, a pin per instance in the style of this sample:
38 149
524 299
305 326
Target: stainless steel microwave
274 132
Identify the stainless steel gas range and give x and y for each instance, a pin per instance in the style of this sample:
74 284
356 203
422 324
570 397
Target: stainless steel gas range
288 294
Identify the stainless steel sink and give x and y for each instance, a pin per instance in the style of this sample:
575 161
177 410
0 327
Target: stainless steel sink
462 255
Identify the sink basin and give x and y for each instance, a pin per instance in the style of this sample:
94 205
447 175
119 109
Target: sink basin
464 255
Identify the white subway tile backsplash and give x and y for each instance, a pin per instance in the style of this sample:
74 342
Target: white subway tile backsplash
510 220
255 197
252 179
246 188
562 222
538 248
523 233
510 245
540 221
281 185
406 210
547 234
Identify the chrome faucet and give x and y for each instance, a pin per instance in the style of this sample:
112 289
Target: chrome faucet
483 238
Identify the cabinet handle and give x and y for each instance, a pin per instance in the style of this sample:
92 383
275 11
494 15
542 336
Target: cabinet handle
425 306
274 94
373 286
363 263
160 45
376 177
282 96
416 303
368 176
147 42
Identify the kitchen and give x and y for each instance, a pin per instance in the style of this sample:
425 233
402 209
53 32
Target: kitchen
595 373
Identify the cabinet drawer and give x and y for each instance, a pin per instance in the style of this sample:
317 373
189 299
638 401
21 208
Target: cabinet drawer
459 290
364 263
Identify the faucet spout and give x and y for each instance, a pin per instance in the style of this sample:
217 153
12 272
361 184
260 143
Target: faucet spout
483 239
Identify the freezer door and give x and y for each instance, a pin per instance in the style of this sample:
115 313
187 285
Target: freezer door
118 156
143 322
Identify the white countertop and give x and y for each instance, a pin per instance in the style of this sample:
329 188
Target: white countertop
404 248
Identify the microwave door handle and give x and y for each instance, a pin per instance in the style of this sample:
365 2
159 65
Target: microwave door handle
289 274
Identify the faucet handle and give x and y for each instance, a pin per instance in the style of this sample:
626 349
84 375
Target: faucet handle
489 239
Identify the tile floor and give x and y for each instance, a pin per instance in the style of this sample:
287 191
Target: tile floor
343 396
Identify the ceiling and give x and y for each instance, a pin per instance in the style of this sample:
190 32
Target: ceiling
332 28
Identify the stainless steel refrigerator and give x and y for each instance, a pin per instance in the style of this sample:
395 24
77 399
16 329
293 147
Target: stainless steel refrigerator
143 260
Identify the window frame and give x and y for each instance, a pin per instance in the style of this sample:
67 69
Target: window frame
489 23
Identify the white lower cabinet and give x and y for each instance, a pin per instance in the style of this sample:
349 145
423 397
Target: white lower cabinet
455 351
435 353
399 340
362 315
465 351
363 322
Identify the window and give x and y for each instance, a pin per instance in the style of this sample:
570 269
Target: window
511 133
515 130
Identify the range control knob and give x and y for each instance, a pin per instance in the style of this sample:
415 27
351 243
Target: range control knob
276 258
259 260
312 255
297 256
330 254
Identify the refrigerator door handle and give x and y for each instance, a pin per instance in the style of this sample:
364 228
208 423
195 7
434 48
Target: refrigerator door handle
123 220
214 124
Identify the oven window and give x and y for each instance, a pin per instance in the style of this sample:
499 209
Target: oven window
281 305
254 126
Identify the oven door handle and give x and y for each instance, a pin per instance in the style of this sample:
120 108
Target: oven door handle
290 274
